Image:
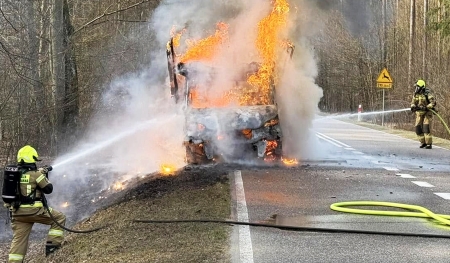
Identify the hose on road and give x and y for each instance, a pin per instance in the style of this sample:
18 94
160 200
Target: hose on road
423 212
294 228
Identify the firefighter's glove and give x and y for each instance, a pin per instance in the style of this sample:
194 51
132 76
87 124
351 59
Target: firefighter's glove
43 170
424 108
413 108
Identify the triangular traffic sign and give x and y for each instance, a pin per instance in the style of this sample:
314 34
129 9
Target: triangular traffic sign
384 77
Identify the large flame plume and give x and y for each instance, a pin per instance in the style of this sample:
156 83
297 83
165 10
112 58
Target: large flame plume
256 90
268 41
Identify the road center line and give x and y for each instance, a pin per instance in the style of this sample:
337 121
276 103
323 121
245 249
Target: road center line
391 168
331 139
422 184
443 195
406 176
325 139
245 240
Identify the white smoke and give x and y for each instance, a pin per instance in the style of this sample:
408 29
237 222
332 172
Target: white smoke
142 128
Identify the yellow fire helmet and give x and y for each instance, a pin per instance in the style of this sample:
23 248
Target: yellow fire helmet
27 154
420 83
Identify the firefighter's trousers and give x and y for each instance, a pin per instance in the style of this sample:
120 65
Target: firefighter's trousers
22 222
423 127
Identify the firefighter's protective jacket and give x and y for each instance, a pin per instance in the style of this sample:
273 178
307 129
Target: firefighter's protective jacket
32 184
425 99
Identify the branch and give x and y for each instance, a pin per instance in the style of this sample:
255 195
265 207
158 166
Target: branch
13 65
108 14
4 16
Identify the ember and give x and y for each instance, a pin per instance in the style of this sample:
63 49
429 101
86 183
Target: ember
167 169
289 162
118 186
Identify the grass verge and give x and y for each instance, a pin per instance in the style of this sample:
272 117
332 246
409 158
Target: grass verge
192 194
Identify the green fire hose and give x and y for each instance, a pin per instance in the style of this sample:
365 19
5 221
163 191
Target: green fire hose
442 120
422 212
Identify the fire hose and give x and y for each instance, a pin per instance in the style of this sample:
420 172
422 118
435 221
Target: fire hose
336 206
44 202
442 120
294 228
343 207
340 207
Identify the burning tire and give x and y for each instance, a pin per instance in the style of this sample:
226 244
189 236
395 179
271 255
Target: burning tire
195 154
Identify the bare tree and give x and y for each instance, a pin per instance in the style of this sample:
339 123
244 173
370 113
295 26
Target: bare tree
425 39
412 28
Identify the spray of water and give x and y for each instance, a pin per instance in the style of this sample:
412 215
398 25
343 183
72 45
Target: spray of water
363 114
101 145
131 150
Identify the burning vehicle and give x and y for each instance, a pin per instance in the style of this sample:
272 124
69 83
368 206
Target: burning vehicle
230 116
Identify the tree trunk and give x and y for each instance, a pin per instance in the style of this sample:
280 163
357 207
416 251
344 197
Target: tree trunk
425 39
412 24
58 70
384 35
71 108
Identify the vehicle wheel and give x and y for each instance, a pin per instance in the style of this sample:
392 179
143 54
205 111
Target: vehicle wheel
195 154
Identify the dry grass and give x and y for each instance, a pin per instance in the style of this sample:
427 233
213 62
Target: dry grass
193 196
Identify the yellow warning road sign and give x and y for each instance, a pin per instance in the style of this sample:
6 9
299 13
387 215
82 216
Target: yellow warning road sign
384 80
384 77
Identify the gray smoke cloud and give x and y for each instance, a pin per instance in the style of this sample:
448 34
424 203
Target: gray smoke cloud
357 13
141 128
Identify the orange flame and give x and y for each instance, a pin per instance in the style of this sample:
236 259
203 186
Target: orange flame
289 161
118 186
167 169
256 90
271 146
206 48
267 42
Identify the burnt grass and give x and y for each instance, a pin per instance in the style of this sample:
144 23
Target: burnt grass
195 192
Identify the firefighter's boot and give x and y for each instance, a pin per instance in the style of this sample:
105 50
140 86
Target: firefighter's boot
49 249
423 145
428 146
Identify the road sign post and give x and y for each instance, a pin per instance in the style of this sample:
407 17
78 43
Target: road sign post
384 81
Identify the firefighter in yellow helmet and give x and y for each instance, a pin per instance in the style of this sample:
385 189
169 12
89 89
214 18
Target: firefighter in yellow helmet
33 184
422 102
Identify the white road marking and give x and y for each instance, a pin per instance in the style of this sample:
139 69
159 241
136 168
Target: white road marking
391 168
443 195
325 139
357 152
331 139
349 148
368 157
422 184
245 240
406 176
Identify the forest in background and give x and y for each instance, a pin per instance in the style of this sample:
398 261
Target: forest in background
408 37
58 56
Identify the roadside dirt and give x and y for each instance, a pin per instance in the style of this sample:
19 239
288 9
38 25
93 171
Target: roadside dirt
192 193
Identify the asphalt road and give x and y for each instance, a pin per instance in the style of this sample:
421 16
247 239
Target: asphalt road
356 163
